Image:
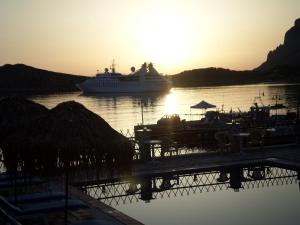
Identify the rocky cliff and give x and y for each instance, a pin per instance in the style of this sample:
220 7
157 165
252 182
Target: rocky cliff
286 54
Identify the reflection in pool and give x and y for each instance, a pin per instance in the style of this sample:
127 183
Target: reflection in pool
255 194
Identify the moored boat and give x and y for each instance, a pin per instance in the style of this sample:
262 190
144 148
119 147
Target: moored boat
260 125
146 79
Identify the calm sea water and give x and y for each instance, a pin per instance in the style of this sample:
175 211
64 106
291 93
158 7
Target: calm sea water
275 202
122 112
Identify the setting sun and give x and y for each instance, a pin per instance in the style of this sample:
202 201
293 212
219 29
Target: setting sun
165 38
77 37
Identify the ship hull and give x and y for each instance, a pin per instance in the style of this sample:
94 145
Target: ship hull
123 87
146 79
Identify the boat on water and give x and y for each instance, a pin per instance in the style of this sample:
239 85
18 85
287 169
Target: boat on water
262 125
146 79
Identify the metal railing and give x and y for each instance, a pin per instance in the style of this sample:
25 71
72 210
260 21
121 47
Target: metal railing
117 192
6 219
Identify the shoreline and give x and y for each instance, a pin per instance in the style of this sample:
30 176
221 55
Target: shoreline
53 92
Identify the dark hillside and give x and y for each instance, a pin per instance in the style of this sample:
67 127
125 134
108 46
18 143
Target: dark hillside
20 77
286 54
215 77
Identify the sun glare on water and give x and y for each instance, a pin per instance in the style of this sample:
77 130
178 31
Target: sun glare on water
170 104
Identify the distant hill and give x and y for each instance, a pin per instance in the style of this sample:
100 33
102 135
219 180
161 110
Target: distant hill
215 77
20 77
220 76
282 74
282 65
286 54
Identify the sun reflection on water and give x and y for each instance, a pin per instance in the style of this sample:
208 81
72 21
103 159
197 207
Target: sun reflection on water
170 104
123 112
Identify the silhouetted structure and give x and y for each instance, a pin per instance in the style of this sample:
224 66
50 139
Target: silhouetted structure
69 134
16 113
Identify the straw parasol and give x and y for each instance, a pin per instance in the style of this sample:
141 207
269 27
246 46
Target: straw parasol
16 112
71 133
71 128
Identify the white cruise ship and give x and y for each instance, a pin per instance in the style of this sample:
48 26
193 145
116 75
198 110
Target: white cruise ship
146 79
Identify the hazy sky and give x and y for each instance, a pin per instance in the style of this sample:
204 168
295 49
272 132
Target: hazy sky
79 37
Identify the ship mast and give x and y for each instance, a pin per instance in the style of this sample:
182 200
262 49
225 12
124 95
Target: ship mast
113 67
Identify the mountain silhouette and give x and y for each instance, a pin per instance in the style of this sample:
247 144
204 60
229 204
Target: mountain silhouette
282 65
20 77
286 54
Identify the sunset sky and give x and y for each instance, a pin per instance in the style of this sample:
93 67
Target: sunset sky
79 37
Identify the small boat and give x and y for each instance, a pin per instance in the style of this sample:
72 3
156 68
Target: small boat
262 125
146 79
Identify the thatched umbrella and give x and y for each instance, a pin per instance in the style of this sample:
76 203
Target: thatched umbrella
16 112
72 129
68 132
71 132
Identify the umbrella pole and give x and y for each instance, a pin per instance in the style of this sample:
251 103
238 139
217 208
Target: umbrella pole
66 193
142 109
15 182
